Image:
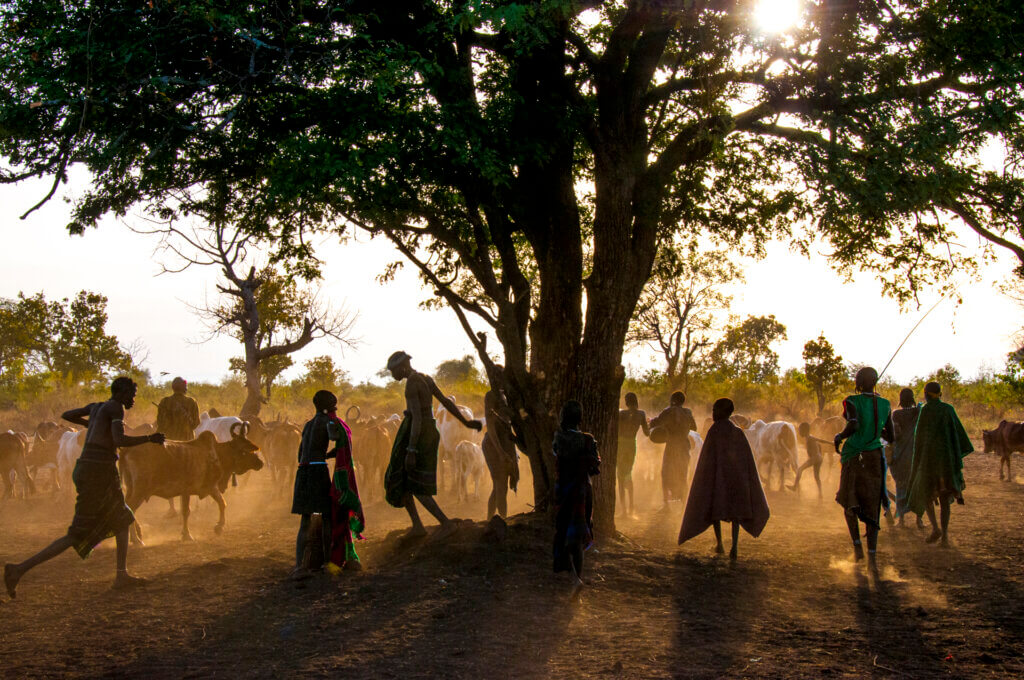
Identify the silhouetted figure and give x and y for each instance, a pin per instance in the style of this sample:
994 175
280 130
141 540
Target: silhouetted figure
904 422
814 457
631 419
862 477
675 422
576 461
312 493
726 486
499 447
177 416
937 473
412 472
100 510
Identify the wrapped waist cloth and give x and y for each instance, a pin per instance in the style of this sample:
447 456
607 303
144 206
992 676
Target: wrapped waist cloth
100 510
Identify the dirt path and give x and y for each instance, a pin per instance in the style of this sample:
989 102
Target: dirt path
793 606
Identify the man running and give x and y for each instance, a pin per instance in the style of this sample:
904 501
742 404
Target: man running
412 472
100 510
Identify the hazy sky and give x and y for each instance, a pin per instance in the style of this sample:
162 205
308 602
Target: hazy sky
804 294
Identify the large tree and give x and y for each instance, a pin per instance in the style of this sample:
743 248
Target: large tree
529 157
745 350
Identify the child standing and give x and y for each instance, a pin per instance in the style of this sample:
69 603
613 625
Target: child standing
576 461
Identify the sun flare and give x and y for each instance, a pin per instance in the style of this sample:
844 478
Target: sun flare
776 16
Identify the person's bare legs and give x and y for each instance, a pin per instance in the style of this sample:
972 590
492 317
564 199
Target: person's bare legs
854 527
14 572
417 525
872 532
799 472
123 578
735 540
817 479
719 548
936 532
447 526
944 520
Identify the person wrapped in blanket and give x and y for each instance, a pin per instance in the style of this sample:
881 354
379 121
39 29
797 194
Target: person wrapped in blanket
347 519
576 461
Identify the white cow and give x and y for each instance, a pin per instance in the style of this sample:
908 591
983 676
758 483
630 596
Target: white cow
469 465
68 450
452 432
773 443
220 427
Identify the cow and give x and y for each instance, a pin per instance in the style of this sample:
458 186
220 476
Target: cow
201 467
741 421
42 452
452 433
280 450
13 447
469 465
68 449
773 443
220 426
1004 440
371 447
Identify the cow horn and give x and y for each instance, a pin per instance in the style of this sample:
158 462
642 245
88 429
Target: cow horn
236 429
359 413
245 428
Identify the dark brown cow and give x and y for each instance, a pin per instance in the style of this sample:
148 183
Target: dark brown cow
1007 438
201 467
13 447
371 450
43 452
281 451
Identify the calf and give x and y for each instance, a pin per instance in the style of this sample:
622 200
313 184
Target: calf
469 465
201 467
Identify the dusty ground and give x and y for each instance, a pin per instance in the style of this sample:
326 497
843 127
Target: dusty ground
793 606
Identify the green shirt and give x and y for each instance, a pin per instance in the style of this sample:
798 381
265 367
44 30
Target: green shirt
869 426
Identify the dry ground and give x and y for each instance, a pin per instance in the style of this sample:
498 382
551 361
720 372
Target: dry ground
793 606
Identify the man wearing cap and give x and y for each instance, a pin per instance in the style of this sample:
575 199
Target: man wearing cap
412 472
862 476
177 415
937 473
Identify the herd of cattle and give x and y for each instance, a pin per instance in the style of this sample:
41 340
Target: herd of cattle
226 447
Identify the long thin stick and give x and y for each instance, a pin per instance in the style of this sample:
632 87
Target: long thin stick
912 332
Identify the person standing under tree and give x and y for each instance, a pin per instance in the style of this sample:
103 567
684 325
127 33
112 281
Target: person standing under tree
100 510
499 447
313 486
862 473
576 461
937 473
412 471
674 424
631 419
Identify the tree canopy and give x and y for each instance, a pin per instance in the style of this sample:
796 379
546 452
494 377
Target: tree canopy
65 339
529 158
824 369
745 350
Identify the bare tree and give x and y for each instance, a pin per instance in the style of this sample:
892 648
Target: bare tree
265 309
677 311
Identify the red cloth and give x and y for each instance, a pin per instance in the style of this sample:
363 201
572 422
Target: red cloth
726 487
344 507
